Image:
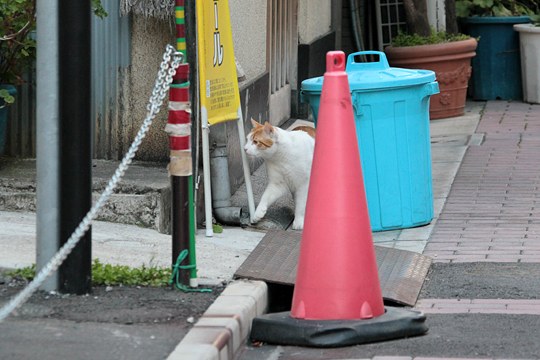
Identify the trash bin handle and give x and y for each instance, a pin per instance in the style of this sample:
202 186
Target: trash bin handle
430 88
352 65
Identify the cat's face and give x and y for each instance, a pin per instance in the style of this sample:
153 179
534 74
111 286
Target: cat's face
261 140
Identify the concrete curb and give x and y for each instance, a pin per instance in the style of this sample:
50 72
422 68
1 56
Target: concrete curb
225 326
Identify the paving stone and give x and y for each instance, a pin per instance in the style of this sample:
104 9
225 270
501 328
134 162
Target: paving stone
494 193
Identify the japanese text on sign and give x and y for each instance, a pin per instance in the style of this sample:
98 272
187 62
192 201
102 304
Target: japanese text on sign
219 94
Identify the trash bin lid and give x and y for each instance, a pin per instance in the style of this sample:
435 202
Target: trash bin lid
497 19
374 75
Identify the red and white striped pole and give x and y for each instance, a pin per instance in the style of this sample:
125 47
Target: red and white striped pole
180 165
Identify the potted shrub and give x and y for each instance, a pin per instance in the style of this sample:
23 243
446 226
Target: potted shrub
496 68
17 51
529 41
446 53
17 46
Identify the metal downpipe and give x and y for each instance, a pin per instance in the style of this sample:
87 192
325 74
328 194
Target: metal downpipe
221 188
356 25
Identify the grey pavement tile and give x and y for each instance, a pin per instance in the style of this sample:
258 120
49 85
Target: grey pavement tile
445 154
414 246
385 236
417 233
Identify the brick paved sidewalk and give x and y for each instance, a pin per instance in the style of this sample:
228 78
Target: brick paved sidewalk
479 306
492 212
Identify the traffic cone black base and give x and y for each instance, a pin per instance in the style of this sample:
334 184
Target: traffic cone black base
282 329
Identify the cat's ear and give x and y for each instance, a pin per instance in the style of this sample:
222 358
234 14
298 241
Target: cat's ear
269 129
255 123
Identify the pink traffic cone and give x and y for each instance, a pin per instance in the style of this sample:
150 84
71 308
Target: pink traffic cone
337 271
337 298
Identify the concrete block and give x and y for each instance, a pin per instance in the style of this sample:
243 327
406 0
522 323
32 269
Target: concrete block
257 290
240 308
228 324
218 337
194 352
239 304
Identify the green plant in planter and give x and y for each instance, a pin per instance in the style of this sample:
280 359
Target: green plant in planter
17 45
449 56
467 8
436 37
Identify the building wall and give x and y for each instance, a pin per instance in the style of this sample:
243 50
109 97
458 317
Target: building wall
149 38
314 19
316 36
249 35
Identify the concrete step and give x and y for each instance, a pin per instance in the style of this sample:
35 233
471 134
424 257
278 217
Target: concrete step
142 197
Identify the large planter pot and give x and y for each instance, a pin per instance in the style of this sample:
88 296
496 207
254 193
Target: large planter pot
451 63
529 44
496 69
4 109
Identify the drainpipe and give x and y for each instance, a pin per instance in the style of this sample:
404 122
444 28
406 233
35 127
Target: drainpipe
221 189
356 26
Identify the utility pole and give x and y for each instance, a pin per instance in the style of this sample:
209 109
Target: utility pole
75 165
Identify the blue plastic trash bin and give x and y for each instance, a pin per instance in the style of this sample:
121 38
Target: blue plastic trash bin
391 109
496 68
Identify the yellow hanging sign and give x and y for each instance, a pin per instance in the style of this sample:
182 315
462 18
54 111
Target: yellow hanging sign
218 84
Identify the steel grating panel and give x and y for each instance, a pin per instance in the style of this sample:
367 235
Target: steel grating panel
274 260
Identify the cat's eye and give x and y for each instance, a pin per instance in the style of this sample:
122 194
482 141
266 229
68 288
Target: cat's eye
255 142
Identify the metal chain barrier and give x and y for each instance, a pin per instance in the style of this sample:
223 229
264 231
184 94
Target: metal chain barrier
161 88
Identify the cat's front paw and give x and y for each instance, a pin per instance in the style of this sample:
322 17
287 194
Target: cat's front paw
259 214
298 223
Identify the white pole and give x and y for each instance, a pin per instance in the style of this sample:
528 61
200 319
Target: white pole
245 165
206 172
48 138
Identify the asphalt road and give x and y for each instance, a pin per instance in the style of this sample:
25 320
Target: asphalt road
119 322
451 335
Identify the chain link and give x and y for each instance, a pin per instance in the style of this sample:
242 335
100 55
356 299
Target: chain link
161 87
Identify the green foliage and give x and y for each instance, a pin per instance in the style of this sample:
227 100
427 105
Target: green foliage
436 37
6 97
218 229
106 274
17 48
25 273
17 45
98 9
466 8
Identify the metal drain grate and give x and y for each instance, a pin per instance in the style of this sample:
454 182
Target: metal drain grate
274 260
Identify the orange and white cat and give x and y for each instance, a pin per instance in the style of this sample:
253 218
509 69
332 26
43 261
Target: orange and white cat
288 156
